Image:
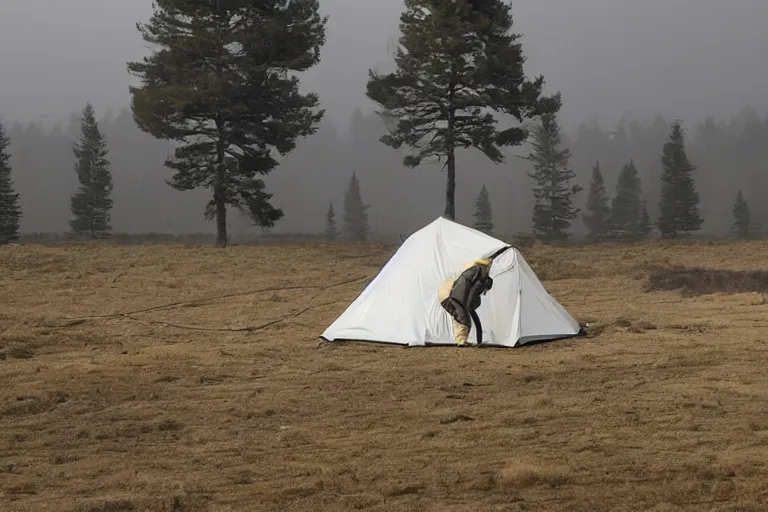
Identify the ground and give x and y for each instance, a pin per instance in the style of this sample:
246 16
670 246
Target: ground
228 401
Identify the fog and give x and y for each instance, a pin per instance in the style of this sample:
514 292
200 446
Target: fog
616 63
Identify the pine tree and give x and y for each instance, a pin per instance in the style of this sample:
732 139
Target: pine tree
742 217
355 212
597 216
223 84
553 209
626 207
679 205
330 224
483 212
10 211
92 203
459 65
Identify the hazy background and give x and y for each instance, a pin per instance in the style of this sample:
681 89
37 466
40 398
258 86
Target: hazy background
613 60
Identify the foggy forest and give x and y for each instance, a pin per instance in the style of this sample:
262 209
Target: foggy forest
607 118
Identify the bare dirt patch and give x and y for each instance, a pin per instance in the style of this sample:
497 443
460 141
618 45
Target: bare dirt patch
192 379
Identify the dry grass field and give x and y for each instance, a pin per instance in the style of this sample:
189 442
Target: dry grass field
188 379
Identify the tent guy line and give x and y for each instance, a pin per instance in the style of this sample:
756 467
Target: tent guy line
248 328
73 321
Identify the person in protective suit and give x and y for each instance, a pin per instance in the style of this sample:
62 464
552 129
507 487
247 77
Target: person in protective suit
460 296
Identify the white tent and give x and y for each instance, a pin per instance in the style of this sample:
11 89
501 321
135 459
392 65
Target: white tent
400 305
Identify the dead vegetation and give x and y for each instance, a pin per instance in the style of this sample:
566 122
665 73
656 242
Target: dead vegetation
522 475
702 281
180 409
17 351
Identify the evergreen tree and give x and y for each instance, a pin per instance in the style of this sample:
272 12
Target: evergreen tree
597 216
355 212
553 209
92 203
679 205
483 212
223 84
458 66
741 216
330 224
645 225
10 211
626 208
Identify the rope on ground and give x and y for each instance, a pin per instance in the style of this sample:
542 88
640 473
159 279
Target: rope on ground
72 321
248 328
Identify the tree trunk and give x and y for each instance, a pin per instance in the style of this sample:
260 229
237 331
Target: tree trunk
450 189
219 195
221 216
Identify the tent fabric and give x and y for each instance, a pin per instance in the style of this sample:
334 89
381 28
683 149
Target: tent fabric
400 305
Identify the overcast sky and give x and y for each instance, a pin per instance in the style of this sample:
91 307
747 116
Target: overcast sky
683 58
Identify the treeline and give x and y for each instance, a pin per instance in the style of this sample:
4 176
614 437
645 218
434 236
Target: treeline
729 156
726 163
670 203
185 239
624 217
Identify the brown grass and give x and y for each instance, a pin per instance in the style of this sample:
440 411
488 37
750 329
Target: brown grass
521 475
227 401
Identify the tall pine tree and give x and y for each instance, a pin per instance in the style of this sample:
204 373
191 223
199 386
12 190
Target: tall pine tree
355 212
742 218
10 211
92 203
483 212
626 207
223 84
459 65
553 210
679 205
597 216
331 232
